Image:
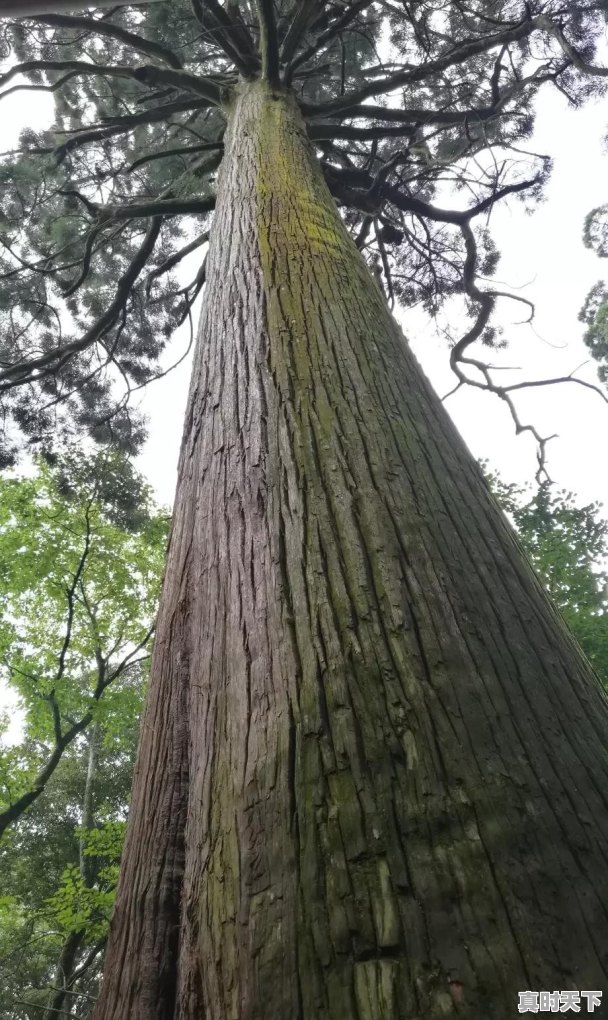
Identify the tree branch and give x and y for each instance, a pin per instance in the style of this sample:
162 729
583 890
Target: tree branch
121 125
232 36
410 75
162 208
30 371
545 22
184 150
300 22
412 116
146 74
103 27
326 37
269 41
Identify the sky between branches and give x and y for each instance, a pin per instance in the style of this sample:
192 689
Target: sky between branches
542 254
543 259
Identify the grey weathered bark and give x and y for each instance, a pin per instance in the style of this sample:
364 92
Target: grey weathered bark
373 773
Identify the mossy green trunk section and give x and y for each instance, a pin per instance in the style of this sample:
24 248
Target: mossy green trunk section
391 758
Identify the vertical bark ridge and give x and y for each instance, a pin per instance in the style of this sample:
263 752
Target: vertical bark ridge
140 975
398 757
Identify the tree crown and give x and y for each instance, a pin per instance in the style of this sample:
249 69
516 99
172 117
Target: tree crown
404 102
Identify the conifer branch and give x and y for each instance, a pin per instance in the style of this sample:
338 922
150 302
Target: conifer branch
411 75
554 29
146 74
231 35
100 26
160 207
326 37
269 41
123 125
35 368
305 12
184 150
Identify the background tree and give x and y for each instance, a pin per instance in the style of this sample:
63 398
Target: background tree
356 793
568 547
81 547
72 538
595 310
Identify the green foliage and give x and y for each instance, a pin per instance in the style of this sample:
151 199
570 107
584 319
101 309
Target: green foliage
92 519
75 905
70 521
568 547
595 231
594 312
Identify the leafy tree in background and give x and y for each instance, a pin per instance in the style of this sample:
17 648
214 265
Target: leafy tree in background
373 770
81 547
58 879
568 546
595 310
66 549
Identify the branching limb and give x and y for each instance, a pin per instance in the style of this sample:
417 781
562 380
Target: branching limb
174 260
413 116
184 150
410 75
231 35
122 125
33 369
146 74
162 208
269 41
326 37
100 26
486 301
554 29
305 12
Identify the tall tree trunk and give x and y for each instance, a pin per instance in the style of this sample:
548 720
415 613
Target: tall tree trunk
373 775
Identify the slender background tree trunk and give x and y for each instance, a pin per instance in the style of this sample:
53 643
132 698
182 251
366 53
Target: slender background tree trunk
373 774
68 958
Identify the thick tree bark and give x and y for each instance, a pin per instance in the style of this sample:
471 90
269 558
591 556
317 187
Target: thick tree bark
373 775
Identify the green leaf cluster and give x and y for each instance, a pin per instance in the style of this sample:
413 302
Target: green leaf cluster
59 857
568 547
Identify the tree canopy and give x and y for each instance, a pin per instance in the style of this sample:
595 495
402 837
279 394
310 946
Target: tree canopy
405 103
81 549
80 568
568 546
